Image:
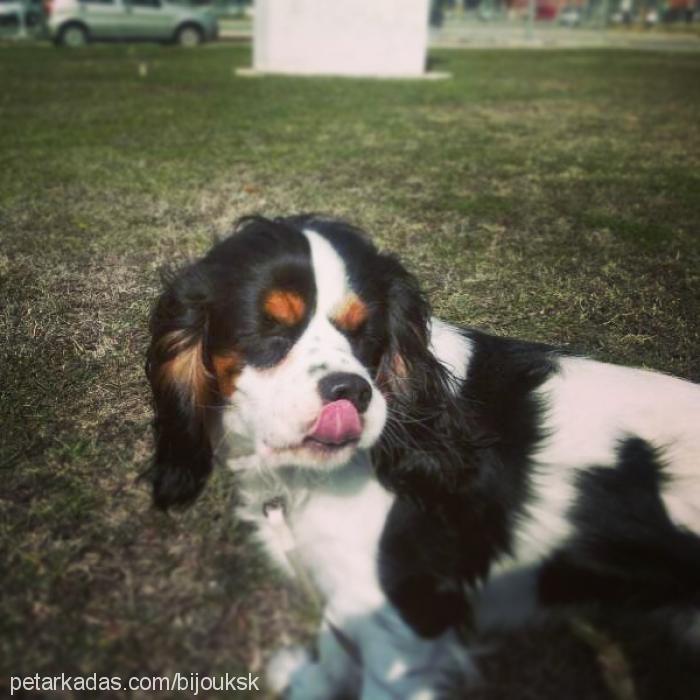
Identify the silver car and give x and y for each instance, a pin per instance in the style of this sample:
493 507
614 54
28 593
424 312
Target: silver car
76 22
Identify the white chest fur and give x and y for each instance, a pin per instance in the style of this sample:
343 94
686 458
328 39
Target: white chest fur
335 526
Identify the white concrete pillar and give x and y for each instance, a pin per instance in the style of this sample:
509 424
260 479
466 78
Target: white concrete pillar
378 38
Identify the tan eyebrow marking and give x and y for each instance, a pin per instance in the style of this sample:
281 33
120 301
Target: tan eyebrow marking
227 368
351 313
285 306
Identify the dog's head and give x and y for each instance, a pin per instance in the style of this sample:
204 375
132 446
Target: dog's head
291 337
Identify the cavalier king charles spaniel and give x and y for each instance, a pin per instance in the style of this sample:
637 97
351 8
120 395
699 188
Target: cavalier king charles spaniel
416 474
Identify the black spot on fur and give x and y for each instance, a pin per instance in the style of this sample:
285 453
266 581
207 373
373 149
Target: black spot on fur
418 569
625 549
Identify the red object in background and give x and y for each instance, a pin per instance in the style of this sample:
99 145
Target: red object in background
48 7
546 11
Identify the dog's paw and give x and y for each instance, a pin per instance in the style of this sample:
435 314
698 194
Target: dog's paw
284 665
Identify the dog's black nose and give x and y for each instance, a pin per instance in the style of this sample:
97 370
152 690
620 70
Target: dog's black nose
343 385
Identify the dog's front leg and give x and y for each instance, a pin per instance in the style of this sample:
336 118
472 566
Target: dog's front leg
398 664
334 673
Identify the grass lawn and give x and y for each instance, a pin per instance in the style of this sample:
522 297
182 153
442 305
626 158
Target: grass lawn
549 195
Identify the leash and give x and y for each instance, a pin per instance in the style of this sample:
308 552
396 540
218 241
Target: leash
275 512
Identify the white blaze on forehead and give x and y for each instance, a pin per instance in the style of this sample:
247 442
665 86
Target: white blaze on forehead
329 272
274 409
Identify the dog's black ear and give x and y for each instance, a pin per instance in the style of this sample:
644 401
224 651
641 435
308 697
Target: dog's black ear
417 388
410 374
428 445
182 388
407 355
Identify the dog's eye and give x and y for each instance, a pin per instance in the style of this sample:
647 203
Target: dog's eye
352 331
278 344
272 350
274 331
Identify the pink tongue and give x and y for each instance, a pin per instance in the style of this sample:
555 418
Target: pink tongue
339 422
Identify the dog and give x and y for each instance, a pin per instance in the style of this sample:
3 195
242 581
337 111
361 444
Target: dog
414 473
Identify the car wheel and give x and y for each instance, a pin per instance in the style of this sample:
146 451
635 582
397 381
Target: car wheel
189 36
73 36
